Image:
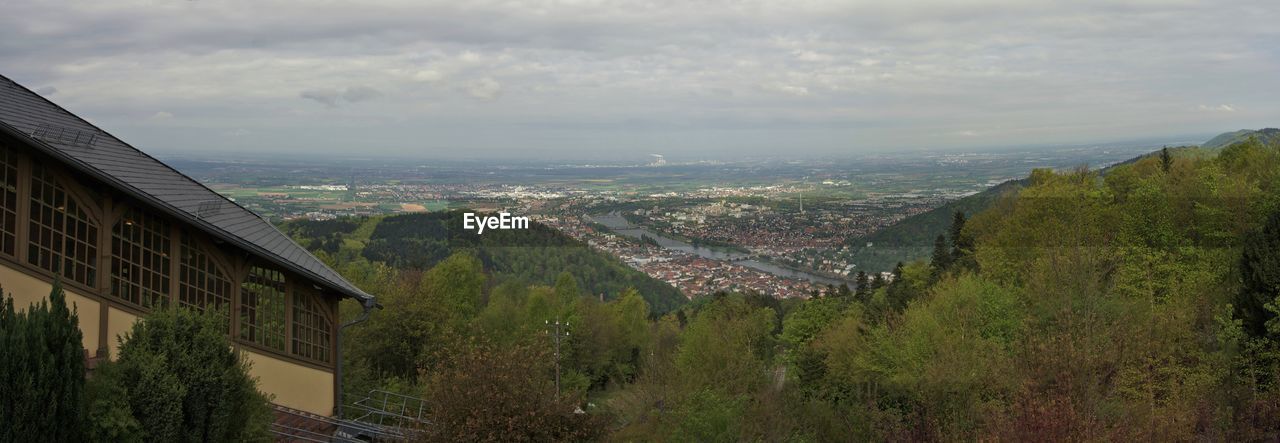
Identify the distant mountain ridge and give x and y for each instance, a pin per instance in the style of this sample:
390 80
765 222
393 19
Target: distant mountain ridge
1265 135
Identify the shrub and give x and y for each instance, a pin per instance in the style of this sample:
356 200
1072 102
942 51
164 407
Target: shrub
179 380
492 393
41 371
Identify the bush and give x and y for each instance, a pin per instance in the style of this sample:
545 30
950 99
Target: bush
492 393
41 371
177 379
708 416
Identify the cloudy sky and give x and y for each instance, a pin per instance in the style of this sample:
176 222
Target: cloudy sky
584 78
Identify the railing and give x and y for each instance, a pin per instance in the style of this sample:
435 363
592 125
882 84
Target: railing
394 425
388 409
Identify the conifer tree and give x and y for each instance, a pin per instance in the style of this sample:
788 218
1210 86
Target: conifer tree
1259 298
41 371
941 259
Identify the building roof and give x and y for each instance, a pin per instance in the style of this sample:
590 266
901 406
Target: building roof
53 130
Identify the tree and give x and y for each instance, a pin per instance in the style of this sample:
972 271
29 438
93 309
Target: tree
1166 160
178 377
864 286
485 393
1258 302
726 345
41 371
708 416
941 259
961 242
420 321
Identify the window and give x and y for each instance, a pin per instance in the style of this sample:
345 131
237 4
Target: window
62 239
311 326
201 284
262 308
140 259
8 201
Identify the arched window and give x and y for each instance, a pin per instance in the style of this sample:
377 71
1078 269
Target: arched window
201 283
311 326
8 201
262 308
62 238
140 259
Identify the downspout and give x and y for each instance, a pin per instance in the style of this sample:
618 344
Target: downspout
369 304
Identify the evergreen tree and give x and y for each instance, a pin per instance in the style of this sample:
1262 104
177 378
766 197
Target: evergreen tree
1259 300
961 243
877 281
863 285
941 259
1166 160
179 380
41 371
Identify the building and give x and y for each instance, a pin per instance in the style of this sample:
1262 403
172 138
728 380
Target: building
127 234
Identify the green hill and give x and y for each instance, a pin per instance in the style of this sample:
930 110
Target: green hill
912 237
533 256
1266 136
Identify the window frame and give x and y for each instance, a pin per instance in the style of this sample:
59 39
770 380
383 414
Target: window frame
93 215
164 291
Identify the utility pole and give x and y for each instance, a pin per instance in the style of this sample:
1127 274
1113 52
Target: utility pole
558 331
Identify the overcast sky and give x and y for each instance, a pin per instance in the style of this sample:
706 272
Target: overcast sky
565 79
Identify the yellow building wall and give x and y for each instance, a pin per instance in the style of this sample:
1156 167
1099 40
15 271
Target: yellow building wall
26 290
118 323
293 385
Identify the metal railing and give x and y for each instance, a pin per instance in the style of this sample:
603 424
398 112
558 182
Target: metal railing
388 409
293 425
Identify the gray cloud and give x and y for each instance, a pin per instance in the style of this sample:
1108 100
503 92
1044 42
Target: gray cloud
356 94
710 76
327 97
333 97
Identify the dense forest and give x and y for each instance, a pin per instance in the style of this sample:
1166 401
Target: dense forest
1139 305
529 256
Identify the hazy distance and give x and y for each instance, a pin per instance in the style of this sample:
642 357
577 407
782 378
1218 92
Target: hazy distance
599 80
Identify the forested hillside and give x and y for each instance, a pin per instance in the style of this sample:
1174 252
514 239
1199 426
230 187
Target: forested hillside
912 237
1140 305
1266 136
537 255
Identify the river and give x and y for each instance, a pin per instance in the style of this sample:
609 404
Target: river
620 225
